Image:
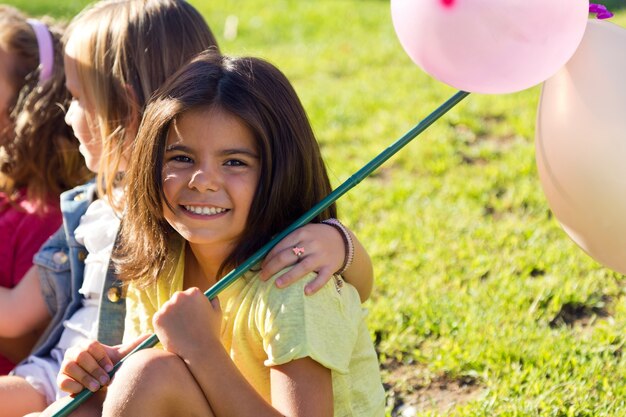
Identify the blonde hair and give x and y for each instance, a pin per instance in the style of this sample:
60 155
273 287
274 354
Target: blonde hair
125 50
39 152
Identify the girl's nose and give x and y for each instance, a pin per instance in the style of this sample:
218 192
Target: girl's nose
204 180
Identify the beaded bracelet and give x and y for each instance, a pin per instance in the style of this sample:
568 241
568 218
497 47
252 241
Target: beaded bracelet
347 240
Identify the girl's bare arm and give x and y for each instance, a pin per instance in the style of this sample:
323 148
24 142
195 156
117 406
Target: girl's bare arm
23 308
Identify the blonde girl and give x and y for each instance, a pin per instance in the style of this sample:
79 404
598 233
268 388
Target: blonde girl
39 156
229 135
117 53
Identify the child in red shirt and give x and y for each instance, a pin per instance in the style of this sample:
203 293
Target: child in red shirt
39 155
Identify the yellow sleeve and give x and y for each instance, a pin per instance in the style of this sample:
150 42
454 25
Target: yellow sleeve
323 326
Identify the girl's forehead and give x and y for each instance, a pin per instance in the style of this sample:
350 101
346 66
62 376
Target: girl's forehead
71 74
206 116
77 51
73 61
209 124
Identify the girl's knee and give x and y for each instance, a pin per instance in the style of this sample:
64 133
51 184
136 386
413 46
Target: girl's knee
148 376
149 365
92 407
156 383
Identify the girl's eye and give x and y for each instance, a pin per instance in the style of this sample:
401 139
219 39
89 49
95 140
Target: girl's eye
182 158
234 163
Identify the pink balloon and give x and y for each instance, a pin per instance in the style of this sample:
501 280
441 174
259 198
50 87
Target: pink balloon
490 46
581 144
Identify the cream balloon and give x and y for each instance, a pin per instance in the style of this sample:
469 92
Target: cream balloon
581 144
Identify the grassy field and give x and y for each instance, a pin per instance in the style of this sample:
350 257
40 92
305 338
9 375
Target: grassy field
483 306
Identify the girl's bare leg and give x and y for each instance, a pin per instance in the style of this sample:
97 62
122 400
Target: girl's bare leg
18 397
92 407
155 383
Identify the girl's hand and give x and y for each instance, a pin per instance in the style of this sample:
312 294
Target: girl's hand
324 253
88 365
188 322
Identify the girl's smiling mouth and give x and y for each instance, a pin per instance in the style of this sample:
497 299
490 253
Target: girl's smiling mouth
205 210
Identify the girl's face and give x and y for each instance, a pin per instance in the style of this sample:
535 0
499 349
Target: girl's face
210 174
7 89
78 116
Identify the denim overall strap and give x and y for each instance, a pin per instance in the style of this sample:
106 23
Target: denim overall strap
112 307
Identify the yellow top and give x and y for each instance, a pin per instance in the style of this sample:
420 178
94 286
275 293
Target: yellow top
265 326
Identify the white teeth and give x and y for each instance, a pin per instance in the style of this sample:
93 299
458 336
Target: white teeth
204 210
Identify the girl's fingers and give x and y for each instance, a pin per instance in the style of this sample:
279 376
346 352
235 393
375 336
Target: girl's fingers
67 384
302 266
279 261
296 273
91 351
87 364
276 250
323 276
279 257
318 252
91 364
74 378
299 271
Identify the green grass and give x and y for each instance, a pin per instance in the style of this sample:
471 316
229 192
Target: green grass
471 268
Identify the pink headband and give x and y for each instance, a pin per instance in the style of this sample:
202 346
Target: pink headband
46 49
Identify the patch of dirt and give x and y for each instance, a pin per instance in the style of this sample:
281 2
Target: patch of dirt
471 138
471 160
411 388
575 313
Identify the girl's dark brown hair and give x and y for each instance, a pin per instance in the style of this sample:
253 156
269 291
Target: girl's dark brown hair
39 152
292 179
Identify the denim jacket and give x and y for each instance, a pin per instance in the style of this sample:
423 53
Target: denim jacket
61 263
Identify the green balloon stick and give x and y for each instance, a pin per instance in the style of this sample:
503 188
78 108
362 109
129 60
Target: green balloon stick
304 219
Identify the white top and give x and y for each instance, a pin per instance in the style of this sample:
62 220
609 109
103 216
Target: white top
96 231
